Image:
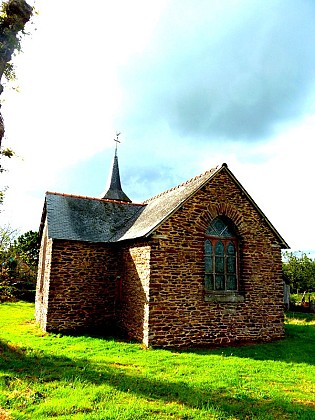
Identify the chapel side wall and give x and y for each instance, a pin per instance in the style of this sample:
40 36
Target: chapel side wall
43 279
179 314
82 287
134 309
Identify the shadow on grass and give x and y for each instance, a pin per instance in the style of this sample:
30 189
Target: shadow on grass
32 367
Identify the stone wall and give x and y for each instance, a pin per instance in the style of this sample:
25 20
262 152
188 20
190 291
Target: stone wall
179 313
93 286
154 289
43 279
82 289
135 290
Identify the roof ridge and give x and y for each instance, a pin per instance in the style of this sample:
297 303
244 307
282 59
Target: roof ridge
209 171
107 200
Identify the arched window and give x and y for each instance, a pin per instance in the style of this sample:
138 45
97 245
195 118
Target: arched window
221 249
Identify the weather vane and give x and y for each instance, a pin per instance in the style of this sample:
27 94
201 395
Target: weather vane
117 141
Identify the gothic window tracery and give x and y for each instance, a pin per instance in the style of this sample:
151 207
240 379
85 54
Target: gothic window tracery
221 252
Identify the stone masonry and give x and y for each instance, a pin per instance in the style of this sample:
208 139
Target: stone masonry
152 288
179 315
81 290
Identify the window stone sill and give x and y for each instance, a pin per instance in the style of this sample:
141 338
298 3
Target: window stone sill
217 297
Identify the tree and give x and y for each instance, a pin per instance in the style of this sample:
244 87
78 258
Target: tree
13 18
7 235
26 248
18 263
300 270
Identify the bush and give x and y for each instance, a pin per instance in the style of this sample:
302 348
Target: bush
6 287
24 290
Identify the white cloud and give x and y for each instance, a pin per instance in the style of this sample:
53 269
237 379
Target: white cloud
279 175
87 62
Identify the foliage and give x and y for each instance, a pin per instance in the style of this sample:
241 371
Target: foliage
6 288
18 262
300 270
7 152
26 248
53 376
7 237
13 18
297 298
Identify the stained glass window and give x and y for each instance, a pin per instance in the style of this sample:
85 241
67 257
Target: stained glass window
221 256
208 265
220 229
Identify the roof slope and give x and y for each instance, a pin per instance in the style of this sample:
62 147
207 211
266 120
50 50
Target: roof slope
160 207
102 220
86 219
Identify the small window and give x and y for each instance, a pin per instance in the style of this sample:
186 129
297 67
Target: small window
221 249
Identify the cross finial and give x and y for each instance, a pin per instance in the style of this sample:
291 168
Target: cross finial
117 141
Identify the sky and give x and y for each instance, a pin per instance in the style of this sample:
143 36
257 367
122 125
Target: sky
190 84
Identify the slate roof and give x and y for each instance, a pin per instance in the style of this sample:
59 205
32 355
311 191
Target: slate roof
86 219
102 220
115 191
160 207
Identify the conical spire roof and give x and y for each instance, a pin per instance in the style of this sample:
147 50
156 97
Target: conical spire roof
115 191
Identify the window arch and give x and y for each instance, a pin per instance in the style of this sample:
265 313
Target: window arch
221 256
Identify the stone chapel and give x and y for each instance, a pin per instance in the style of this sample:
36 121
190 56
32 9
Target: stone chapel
197 265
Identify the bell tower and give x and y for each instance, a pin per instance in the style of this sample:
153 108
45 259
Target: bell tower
115 191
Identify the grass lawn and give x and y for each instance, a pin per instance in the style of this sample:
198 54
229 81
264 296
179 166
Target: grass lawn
46 376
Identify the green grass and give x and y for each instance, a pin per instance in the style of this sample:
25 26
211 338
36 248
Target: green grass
47 376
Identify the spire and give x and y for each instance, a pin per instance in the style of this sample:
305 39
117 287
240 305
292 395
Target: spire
115 191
